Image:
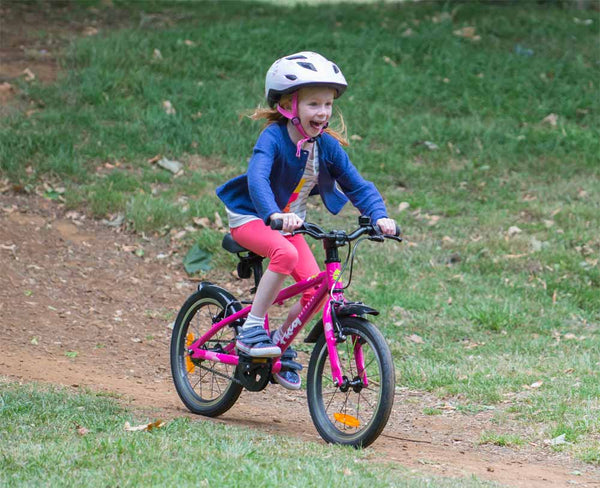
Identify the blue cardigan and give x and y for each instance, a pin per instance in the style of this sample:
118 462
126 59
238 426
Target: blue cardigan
274 172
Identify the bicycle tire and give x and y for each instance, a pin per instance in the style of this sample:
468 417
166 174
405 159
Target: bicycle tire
354 418
205 387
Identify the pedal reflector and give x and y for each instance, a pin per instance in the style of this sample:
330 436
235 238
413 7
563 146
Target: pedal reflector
189 340
348 420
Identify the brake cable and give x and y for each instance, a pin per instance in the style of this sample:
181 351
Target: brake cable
350 257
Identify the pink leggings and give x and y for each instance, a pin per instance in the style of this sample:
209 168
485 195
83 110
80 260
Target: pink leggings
288 255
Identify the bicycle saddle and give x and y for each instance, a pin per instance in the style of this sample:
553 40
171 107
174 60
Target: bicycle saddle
230 245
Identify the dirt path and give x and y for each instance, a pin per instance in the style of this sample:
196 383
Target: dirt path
80 308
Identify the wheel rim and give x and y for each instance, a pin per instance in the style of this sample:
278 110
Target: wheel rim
351 412
206 381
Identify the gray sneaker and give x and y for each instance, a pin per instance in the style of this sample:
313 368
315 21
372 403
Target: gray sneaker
256 343
288 377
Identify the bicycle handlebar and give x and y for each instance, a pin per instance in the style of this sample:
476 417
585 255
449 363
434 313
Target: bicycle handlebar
317 232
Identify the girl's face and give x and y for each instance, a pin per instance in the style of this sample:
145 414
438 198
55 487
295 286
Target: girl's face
314 108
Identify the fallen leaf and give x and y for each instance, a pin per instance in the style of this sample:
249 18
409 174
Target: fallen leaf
416 339
144 427
390 61
115 221
550 119
29 75
218 221
583 21
90 31
468 33
536 384
513 231
156 54
82 430
403 206
557 441
6 91
172 166
432 219
155 159
201 221
447 407
169 109
197 259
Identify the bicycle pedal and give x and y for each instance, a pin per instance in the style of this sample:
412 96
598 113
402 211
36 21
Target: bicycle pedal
245 358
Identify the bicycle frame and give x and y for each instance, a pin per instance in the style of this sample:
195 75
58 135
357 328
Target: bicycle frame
321 299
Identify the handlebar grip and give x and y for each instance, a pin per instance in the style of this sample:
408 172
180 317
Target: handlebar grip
398 231
276 224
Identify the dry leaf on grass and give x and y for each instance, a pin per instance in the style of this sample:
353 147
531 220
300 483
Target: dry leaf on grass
173 166
168 106
390 61
468 33
157 424
417 339
29 76
550 119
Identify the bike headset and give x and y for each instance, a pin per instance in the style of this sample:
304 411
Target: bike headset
290 73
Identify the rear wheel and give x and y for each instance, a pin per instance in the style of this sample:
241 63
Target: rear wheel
205 387
355 412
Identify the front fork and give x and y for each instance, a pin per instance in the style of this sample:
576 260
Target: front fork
333 335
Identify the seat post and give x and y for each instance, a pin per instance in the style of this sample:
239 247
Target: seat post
257 270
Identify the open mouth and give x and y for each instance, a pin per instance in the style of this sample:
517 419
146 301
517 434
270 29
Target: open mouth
316 125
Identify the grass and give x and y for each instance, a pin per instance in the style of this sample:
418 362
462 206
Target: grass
59 437
499 274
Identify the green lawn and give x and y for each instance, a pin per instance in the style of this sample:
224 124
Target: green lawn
484 141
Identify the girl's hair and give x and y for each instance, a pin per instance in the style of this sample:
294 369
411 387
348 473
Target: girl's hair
272 116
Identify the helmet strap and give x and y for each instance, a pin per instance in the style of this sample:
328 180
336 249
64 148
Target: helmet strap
293 117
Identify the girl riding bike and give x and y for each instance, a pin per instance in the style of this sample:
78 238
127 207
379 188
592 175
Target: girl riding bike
296 156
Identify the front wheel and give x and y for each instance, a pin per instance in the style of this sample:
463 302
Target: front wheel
355 412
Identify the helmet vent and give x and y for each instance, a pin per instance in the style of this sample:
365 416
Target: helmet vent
336 69
309 66
291 77
291 58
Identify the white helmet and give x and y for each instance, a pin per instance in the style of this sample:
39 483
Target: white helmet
295 71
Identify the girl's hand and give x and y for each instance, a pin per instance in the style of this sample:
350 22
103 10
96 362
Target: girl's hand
290 221
387 226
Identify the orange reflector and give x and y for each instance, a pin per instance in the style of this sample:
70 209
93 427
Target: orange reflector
189 340
348 420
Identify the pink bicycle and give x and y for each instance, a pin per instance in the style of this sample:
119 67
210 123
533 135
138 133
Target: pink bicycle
350 380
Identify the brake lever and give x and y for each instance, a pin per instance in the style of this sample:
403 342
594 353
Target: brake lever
394 238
